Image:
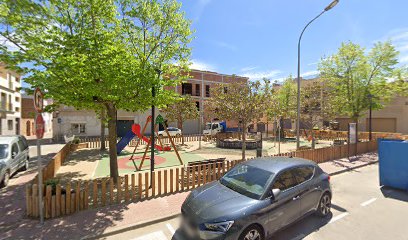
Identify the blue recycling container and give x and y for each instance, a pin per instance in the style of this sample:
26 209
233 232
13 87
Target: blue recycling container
393 163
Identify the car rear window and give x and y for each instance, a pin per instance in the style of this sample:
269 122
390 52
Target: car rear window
303 174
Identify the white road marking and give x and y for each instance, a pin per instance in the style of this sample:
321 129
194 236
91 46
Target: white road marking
171 229
338 217
159 235
299 237
368 202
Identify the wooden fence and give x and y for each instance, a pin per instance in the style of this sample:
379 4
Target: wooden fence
342 135
54 164
95 142
74 196
321 155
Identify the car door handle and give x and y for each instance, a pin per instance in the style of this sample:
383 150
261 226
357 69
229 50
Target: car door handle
295 198
317 188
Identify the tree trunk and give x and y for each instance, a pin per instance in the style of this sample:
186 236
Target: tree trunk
243 140
180 126
103 146
113 159
313 139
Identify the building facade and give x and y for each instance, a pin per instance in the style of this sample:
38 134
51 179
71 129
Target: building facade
68 121
28 118
392 118
10 101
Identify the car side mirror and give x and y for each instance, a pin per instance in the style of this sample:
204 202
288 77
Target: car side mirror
13 154
275 193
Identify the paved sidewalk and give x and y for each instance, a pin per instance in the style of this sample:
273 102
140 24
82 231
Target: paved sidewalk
113 219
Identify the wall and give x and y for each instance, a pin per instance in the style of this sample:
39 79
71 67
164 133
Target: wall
397 109
10 101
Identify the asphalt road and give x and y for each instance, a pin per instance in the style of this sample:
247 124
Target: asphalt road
361 210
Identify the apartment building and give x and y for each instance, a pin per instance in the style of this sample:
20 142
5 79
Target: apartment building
28 118
10 101
69 121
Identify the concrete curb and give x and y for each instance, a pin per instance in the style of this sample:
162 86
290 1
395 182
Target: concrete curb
352 168
129 227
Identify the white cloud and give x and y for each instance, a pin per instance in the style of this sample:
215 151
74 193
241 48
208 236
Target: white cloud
309 73
263 74
10 46
225 45
404 59
199 8
200 65
247 69
399 38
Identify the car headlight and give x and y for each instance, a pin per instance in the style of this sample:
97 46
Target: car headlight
218 227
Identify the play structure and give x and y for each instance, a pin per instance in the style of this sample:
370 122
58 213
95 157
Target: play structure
141 137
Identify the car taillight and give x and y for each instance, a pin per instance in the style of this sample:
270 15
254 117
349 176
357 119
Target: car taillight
328 178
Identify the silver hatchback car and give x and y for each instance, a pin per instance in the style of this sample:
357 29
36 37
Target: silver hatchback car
255 199
13 156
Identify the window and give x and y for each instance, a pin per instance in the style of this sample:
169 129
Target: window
78 128
21 145
17 99
10 125
14 149
303 174
207 90
247 180
197 90
198 105
186 89
284 181
17 109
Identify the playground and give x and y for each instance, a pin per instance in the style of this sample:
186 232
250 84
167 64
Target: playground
92 163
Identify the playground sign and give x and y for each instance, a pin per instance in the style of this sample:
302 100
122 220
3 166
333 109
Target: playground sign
352 133
38 100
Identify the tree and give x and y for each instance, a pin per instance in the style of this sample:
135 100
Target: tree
241 101
282 102
183 109
315 105
352 74
97 54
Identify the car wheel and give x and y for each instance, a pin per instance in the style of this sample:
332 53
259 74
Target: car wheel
324 205
253 232
178 135
25 167
6 179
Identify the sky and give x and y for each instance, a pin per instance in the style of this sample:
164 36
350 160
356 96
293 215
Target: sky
259 38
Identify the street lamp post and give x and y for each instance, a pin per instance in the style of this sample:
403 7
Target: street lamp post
330 6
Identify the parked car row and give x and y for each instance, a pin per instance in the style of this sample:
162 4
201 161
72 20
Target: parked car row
14 156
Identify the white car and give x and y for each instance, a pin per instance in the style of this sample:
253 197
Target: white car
174 132
13 156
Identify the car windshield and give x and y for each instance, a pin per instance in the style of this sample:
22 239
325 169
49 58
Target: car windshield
247 180
3 151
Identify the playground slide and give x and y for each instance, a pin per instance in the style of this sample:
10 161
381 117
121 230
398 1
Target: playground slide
124 141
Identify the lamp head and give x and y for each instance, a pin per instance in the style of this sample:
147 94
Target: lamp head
331 5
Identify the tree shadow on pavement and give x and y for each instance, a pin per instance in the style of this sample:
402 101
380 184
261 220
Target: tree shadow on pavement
85 224
397 194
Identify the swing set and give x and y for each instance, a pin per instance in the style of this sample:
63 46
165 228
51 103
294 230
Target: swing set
141 136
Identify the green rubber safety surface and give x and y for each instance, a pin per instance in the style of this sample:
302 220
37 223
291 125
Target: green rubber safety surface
162 160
